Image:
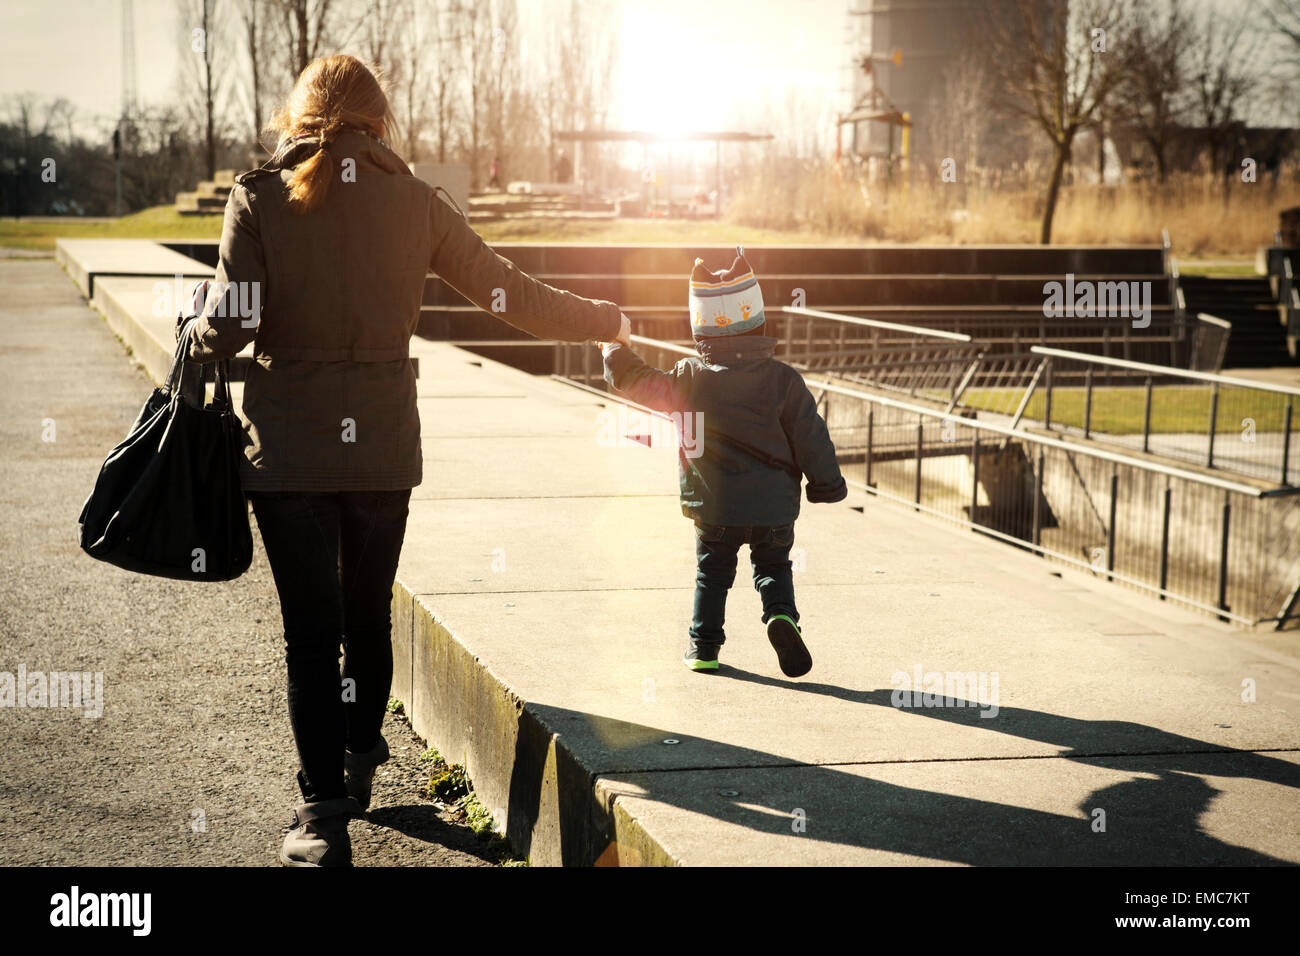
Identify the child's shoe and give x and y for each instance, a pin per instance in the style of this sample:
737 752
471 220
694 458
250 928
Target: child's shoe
791 652
701 656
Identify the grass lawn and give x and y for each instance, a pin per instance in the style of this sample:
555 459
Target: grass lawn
163 222
1119 411
630 231
159 222
1218 267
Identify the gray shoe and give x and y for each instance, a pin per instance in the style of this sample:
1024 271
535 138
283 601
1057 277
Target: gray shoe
319 836
359 771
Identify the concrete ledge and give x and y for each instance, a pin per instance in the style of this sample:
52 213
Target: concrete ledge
673 259
555 680
87 259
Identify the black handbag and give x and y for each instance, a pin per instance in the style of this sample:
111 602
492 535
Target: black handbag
168 500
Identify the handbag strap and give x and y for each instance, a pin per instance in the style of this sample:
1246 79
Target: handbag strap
221 384
173 380
220 374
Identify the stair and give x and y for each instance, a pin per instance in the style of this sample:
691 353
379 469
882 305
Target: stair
1258 338
209 197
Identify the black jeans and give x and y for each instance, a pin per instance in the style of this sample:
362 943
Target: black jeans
334 559
715 554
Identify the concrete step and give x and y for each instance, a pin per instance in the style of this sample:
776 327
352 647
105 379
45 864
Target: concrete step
878 260
1258 338
676 261
87 259
817 291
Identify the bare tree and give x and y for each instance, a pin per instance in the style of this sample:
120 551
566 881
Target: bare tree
381 23
445 73
200 20
477 42
578 70
256 34
444 76
306 27
1056 68
1284 16
503 82
1153 98
963 96
1222 77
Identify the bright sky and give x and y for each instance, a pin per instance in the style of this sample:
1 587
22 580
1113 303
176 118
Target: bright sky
687 64
683 63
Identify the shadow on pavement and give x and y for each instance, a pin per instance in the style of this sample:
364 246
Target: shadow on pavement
1151 821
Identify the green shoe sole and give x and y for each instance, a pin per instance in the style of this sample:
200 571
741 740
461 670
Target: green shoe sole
698 665
787 641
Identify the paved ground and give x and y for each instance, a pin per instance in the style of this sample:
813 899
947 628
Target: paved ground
563 566
194 712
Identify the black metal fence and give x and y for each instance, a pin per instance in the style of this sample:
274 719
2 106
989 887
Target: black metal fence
1223 545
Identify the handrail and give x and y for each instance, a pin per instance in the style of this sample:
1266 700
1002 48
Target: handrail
1165 370
1167 470
876 324
1213 320
1115 457
1290 298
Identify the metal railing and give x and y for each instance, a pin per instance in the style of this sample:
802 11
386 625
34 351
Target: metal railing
1205 418
1215 421
1209 541
1210 338
909 359
1179 302
1289 296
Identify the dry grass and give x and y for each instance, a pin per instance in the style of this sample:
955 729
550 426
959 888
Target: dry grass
812 205
1200 220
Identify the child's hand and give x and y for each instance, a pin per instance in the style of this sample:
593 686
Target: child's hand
624 335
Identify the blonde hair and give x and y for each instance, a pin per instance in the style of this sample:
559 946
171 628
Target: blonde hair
332 94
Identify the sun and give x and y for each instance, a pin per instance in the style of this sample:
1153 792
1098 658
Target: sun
658 90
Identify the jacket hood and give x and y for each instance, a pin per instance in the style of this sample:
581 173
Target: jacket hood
736 348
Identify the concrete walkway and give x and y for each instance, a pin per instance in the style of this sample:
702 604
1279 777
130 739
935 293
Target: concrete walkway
562 568
541 609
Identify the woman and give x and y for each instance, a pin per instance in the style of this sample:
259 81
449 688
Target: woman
325 250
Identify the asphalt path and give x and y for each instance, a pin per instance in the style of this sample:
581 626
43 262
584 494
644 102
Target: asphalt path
191 761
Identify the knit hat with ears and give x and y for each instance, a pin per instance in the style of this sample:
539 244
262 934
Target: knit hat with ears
725 303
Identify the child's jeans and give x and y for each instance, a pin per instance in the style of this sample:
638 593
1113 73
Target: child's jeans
715 552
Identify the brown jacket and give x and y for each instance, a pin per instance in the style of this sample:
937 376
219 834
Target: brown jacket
329 401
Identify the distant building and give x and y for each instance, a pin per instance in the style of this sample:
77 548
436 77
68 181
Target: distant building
908 57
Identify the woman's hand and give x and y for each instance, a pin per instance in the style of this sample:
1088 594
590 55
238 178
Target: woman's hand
624 336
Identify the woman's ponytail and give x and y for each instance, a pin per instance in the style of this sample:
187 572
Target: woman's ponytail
311 181
333 93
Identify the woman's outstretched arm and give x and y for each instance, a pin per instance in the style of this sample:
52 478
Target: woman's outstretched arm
497 286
